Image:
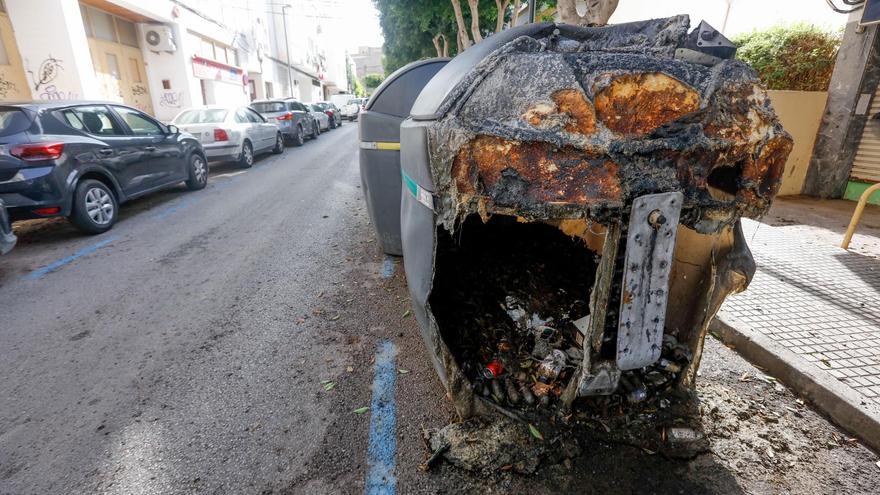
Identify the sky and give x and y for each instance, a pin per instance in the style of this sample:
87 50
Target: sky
357 23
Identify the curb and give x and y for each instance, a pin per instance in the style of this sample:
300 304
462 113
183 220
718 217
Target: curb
844 406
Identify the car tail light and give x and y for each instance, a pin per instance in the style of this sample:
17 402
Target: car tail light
37 152
221 135
286 116
329 113
47 211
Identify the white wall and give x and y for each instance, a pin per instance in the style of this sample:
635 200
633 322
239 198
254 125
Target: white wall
174 68
52 42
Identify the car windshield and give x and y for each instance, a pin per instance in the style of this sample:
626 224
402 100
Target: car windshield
13 121
268 106
316 108
321 106
202 116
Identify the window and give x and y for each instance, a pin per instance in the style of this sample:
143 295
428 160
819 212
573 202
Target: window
268 106
113 66
102 25
13 121
140 124
202 116
269 93
95 120
135 70
241 117
254 116
206 48
127 32
166 83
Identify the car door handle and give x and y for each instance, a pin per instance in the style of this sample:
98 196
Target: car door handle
149 148
106 151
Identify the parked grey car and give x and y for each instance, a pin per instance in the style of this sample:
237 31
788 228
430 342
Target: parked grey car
321 117
233 134
291 116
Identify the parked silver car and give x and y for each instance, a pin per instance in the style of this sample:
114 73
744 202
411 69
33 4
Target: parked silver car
233 134
292 117
320 116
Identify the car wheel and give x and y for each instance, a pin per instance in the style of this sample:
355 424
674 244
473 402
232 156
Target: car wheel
94 207
298 136
339 123
279 144
246 160
198 172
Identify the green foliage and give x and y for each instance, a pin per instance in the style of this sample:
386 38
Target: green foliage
795 57
409 27
359 90
372 81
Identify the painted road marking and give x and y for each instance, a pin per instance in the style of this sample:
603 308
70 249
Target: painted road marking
382 451
51 267
388 267
184 203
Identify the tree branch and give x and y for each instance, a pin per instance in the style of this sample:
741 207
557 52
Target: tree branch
463 39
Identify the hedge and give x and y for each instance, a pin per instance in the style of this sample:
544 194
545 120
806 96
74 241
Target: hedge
795 57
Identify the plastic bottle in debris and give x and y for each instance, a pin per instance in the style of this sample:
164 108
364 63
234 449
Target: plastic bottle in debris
551 366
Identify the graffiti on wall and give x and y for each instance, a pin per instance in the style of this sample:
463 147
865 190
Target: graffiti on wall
7 87
170 99
46 73
138 90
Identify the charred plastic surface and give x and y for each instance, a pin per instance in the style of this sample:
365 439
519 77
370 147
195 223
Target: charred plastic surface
536 158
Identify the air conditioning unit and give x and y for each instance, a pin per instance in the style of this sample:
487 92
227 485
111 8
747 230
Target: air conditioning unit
159 38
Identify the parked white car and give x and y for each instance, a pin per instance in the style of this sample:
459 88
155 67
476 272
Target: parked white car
320 116
233 134
352 109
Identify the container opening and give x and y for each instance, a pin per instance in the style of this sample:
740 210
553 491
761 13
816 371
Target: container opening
505 296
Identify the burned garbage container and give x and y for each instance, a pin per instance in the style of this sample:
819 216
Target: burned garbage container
380 146
571 216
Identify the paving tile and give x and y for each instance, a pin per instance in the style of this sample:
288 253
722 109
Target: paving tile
818 301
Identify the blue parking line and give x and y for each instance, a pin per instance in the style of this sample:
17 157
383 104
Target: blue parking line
51 267
184 203
382 451
388 267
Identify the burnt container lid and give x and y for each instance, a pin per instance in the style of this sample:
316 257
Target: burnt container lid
396 94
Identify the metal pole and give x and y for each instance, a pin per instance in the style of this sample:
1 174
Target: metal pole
532 6
287 50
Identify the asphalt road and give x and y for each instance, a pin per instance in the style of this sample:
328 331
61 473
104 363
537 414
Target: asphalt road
191 349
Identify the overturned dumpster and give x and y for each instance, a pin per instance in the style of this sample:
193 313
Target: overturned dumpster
570 217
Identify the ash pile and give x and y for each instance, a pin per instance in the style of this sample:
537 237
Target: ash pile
571 224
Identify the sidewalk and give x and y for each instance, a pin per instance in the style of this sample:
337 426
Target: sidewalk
811 316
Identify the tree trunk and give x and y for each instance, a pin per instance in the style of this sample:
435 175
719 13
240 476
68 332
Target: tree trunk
517 6
598 12
463 39
502 9
475 20
436 40
445 46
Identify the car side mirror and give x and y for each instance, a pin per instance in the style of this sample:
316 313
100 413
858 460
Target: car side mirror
172 129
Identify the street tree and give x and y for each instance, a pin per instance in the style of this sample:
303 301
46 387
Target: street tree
597 14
